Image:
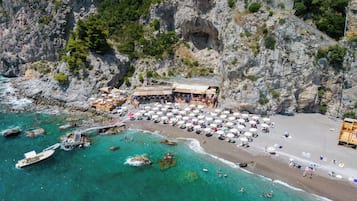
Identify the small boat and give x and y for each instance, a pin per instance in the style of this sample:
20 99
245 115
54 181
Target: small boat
205 170
33 157
113 148
138 161
35 132
11 132
65 126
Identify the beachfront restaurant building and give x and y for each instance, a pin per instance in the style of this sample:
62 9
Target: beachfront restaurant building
195 94
348 133
151 94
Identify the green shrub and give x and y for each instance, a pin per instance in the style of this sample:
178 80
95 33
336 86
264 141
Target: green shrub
355 105
282 21
61 78
323 108
275 94
46 19
321 93
269 42
352 39
262 99
254 7
155 24
141 78
252 78
170 73
321 53
127 81
336 55
281 5
350 114
234 62
231 3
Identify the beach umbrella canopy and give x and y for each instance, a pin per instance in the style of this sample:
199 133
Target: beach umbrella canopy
173 120
255 117
236 114
241 120
192 106
252 122
164 109
213 114
197 127
207 130
226 112
196 111
175 111
177 104
195 120
230 135
182 112
223 116
164 118
187 109
201 117
169 114
189 124
168 106
209 119
147 107
178 117
159 105
243 139
155 109
241 127
271 149
264 125
266 119
229 124
233 130
218 110
248 134
138 114
213 125
253 130
180 122
220 132
245 115
217 121
192 115
185 118
142 111
201 121
155 116
151 112
200 107
159 113
231 118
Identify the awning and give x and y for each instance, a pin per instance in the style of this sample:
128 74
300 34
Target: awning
153 91
191 89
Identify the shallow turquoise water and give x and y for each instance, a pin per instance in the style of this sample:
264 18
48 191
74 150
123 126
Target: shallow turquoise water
95 173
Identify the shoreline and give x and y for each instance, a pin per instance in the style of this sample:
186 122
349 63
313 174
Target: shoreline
266 165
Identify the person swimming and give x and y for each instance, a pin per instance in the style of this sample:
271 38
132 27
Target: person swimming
241 190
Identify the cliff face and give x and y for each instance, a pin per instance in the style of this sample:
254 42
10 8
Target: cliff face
284 78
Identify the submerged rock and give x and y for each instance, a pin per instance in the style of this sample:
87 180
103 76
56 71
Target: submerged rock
167 161
167 142
139 160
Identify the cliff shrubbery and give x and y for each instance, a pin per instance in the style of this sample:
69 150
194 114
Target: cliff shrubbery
119 21
335 56
328 15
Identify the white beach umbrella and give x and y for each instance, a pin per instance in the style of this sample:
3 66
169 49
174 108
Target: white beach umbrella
233 130
172 120
201 121
187 109
245 115
253 130
200 107
147 107
164 109
218 121
155 116
167 106
236 114
159 113
185 118
264 125
189 124
243 139
213 125
196 111
209 119
220 132
169 114
180 122
197 127
223 116
266 120
142 111
201 117
231 118
207 130
248 134
192 106
177 104
213 114
164 118
271 149
155 109
241 120
192 115
151 112
175 111
229 124
194 120
178 117
255 117
240 127
218 110
226 112
138 114
182 112
230 135
252 122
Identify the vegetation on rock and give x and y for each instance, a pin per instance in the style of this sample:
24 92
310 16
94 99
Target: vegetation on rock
231 3
61 78
269 42
328 15
254 7
335 55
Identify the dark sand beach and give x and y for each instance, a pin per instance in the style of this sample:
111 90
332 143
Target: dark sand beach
265 164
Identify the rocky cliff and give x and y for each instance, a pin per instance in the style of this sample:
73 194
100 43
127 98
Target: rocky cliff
284 76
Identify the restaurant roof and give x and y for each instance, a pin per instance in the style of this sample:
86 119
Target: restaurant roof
153 91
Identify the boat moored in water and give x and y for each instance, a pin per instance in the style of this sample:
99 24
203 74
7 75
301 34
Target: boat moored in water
11 132
35 132
32 157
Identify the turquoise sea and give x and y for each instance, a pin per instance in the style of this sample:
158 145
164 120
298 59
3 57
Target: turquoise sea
96 173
